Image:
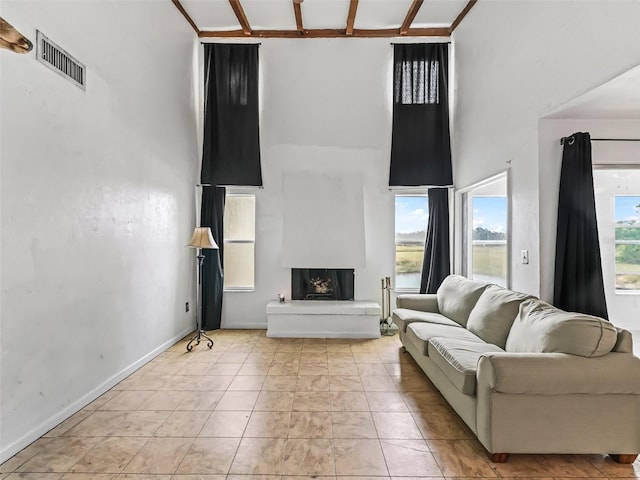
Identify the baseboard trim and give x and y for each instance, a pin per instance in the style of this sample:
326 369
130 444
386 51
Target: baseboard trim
23 442
320 334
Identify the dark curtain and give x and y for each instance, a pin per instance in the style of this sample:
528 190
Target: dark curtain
211 215
578 284
231 150
420 144
436 263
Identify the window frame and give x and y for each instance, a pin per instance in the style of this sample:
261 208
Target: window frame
616 242
414 192
463 219
232 192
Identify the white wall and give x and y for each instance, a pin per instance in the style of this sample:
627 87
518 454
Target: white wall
97 205
515 62
326 112
624 310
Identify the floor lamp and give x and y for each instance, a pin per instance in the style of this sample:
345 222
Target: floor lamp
201 238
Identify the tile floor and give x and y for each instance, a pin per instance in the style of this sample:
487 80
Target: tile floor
255 408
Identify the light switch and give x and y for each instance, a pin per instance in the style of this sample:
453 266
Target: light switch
524 257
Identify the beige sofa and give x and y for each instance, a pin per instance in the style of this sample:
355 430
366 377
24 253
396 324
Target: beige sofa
524 376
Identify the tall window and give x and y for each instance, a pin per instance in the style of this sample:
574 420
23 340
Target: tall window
411 218
489 239
484 243
627 242
239 241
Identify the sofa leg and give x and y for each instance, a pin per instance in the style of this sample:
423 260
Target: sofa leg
499 457
626 458
403 349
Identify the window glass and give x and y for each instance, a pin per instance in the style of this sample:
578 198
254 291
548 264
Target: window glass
239 241
627 242
489 260
411 218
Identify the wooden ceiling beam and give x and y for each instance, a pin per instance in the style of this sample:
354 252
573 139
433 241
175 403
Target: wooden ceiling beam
297 10
186 16
463 14
411 14
351 18
240 15
329 33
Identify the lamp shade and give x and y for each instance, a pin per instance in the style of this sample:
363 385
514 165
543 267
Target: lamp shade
202 238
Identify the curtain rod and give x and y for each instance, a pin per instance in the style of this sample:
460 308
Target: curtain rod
407 43
563 139
232 43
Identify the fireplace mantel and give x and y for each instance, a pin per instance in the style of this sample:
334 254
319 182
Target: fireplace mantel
323 319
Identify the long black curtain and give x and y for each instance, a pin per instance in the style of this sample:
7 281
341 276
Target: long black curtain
211 215
231 150
436 263
578 286
420 143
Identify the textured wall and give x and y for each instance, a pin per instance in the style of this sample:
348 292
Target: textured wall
97 205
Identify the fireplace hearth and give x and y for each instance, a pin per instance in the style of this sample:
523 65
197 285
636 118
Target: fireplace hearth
322 283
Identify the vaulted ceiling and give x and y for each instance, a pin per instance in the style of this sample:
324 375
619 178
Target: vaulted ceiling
323 18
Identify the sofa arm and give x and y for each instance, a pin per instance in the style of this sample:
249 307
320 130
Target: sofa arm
559 373
424 302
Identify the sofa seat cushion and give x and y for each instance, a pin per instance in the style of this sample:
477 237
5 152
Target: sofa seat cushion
494 313
458 360
542 328
403 316
457 296
419 334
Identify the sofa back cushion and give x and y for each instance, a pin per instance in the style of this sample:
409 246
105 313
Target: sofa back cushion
457 296
494 313
541 328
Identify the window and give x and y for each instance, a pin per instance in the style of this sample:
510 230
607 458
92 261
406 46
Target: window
627 242
412 215
483 246
489 239
239 241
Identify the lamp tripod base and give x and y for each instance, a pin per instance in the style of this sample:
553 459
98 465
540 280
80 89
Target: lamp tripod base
200 335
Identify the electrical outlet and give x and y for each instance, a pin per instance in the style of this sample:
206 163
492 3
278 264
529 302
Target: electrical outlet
524 257
186 307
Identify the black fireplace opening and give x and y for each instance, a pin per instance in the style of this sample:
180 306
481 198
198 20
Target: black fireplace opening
322 283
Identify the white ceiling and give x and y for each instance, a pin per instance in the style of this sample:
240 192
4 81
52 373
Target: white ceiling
217 15
617 99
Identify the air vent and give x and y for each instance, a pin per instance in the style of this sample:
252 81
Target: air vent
60 61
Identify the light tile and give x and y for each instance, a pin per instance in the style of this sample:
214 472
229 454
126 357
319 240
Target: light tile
414 383
349 402
247 382
386 402
274 401
183 423
59 455
127 400
268 425
101 400
200 400
290 368
24 455
224 368
244 400
209 456
340 383
312 383
164 400
396 425
313 369
159 456
140 424
213 382
310 425
409 458
378 383
309 457
257 456
226 424
353 425
461 458
311 402
69 423
372 369
111 455
572 466
343 369
359 457
280 383
440 427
